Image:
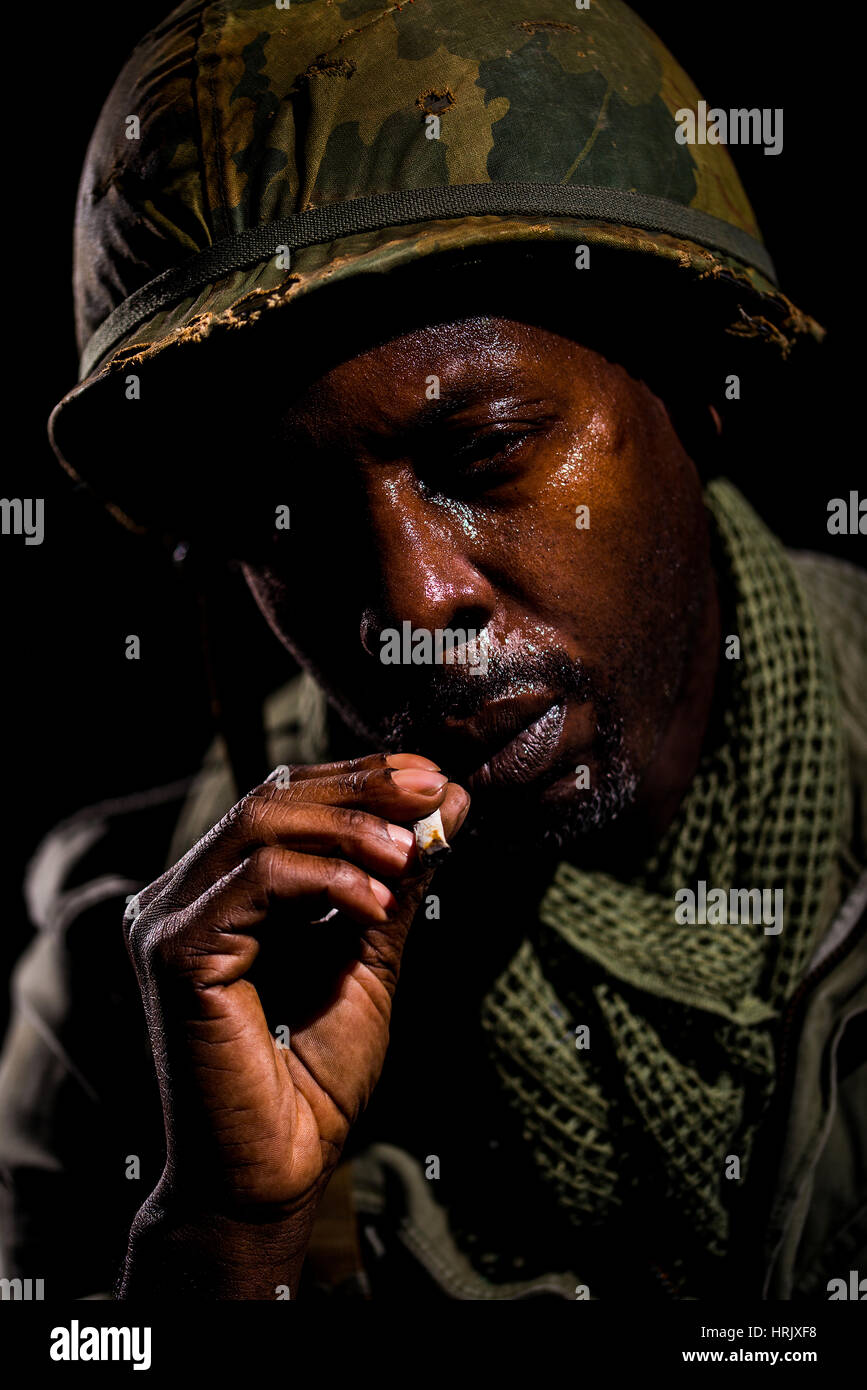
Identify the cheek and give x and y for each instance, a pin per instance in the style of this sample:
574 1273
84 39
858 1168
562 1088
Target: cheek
642 496
582 535
609 543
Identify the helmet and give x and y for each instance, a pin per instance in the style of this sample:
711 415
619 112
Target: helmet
251 153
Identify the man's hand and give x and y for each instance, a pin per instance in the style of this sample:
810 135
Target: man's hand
269 1028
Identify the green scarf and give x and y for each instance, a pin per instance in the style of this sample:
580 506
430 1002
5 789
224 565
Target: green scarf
682 1018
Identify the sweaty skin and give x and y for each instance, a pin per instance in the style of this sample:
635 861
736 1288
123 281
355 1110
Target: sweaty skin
453 510
459 512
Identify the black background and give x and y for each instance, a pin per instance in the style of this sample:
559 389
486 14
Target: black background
81 722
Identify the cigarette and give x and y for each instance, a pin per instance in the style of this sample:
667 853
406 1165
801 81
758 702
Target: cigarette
430 837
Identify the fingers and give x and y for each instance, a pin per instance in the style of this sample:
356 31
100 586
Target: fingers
212 941
347 812
399 793
302 772
296 845
370 841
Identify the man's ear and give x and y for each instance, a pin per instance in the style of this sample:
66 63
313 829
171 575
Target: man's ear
699 427
708 441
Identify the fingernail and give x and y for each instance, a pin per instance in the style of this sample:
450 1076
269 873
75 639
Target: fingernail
403 838
416 780
383 895
411 760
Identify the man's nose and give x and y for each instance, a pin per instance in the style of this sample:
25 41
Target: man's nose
427 558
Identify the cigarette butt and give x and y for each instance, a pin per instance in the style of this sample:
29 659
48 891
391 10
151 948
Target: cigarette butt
327 918
430 837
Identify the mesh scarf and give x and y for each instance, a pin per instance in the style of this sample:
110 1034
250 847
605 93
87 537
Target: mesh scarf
681 1062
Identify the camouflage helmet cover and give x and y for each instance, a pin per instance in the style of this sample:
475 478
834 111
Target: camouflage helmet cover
249 154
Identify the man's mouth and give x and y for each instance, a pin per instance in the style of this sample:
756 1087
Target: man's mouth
519 726
510 742
534 751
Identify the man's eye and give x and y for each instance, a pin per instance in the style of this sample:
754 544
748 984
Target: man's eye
479 460
489 447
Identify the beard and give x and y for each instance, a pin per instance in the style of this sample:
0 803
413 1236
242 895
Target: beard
549 810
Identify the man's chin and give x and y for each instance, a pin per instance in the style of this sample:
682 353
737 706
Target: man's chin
555 815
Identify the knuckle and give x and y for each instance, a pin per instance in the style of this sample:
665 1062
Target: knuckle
363 762
352 783
140 921
149 946
265 868
278 781
341 874
245 816
262 862
153 932
355 823
138 904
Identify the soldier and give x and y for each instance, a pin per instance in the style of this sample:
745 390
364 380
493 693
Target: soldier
446 284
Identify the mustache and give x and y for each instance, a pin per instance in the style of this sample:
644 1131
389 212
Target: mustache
450 693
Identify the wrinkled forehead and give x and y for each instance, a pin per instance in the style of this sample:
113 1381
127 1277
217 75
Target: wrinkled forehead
450 364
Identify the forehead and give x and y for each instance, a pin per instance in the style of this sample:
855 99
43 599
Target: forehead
452 365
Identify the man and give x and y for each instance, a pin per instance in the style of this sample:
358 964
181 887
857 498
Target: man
604 1071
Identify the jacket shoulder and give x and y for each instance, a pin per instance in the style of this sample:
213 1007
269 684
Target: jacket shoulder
80 1121
94 853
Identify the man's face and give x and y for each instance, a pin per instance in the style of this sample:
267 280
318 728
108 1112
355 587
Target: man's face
458 510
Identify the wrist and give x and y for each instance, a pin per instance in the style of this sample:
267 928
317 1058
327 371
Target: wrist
179 1251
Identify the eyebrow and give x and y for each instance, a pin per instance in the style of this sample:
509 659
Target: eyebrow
433 416
498 386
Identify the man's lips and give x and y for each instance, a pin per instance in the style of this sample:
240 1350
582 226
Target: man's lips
509 741
529 755
500 721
